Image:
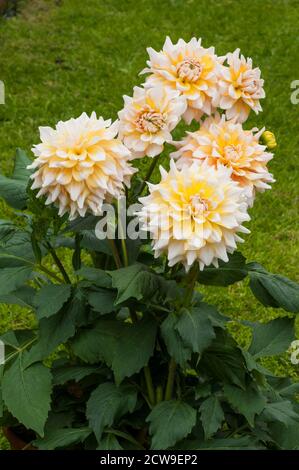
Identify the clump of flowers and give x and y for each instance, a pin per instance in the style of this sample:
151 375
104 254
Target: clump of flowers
125 354
193 215
225 142
79 164
148 118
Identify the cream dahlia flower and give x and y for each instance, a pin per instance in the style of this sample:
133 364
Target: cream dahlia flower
79 164
194 214
189 68
148 118
219 141
241 87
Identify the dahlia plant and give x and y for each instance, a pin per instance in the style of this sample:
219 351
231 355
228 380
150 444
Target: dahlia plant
123 351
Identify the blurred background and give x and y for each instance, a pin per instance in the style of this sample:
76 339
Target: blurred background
59 58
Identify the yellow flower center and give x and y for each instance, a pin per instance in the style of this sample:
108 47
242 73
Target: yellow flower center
189 70
150 121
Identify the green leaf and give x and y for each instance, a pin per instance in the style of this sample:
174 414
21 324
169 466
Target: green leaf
78 308
211 415
99 343
249 402
97 276
109 442
50 299
118 344
53 331
174 342
281 411
227 273
17 251
170 421
20 171
82 223
284 386
217 318
7 230
273 290
13 191
18 339
224 361
59 438
102 300
195 328
12 278
92 243
135 282
61 375
27 393
287 437
134 348
272 338
238 443
108 403
23 296
202 391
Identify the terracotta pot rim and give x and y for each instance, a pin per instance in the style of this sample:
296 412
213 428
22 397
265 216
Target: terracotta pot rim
16 442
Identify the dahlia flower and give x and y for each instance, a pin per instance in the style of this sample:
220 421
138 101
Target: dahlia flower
189 68
194 214
241 87
148 118
219 141
80 164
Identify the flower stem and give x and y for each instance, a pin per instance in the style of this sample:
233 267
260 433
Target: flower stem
170 379
187 301
146 369
159 394
50 274
125 252
192 278
115 253
148 175
123 244
58 263
149 385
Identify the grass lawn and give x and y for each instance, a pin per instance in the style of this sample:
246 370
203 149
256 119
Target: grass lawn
59 58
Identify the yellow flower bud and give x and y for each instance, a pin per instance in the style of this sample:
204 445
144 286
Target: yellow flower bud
268 138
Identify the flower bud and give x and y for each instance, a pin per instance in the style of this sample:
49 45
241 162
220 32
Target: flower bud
268 138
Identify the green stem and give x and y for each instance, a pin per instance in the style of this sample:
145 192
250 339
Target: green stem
146 370
149 385
170 379
159 394
125 252
192 278
148 175
123 244
50 274
58 263
133 316
115 253
187 300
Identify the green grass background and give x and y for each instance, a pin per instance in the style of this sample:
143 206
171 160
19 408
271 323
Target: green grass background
59 58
